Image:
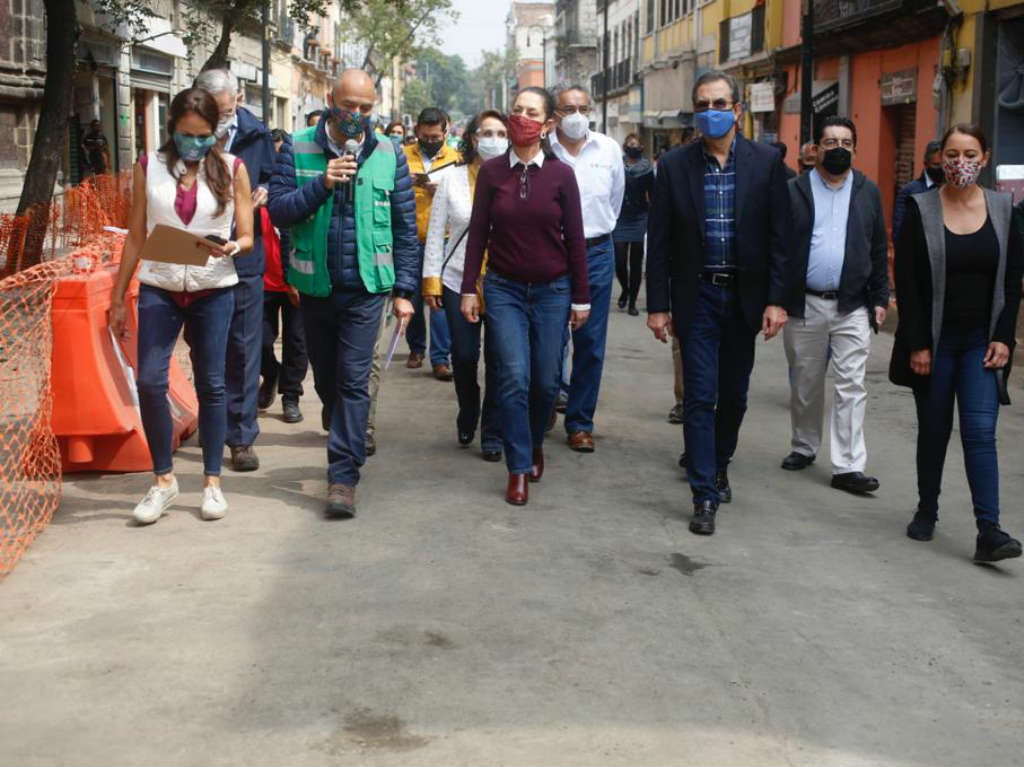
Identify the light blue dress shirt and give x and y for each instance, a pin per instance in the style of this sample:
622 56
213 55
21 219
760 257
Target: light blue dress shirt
828 237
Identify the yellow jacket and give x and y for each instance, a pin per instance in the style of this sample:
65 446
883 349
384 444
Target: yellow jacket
424 198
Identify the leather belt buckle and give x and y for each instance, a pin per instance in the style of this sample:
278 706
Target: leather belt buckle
719 279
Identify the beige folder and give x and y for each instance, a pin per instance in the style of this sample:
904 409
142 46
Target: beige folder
175 246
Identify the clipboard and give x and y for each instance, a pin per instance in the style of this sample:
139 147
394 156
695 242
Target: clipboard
170 245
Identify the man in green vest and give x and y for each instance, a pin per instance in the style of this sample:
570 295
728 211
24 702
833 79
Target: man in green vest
348 201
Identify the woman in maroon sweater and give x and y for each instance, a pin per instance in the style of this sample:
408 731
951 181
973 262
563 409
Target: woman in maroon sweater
527 217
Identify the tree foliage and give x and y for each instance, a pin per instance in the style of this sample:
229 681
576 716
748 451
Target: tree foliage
491 77
448 82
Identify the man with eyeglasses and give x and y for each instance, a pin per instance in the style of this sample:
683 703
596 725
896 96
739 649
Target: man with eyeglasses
716 259
841 252
601 176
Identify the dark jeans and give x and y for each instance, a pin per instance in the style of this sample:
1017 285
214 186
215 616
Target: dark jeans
588 343
958 374
206 322
718 356
629 268
416 333
465 361
290 372
244 353
526 325
341 330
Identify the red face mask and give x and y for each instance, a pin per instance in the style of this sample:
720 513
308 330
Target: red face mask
522 131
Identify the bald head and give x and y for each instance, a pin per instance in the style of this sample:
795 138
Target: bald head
356 87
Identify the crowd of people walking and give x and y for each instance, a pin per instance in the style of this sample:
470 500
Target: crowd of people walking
508 246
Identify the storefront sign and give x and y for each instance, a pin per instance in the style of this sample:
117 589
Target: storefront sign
825 100
762 97
899 87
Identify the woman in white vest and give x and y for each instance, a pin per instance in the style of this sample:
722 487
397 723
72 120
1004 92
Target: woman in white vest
485 138
188 184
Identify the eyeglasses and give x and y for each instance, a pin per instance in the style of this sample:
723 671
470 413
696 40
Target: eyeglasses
719 105
573 109
832 143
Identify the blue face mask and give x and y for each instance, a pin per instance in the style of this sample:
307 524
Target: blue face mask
193 148
715 123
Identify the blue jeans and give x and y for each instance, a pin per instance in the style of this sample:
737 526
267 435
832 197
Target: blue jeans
526 322
244 358
718 356
465 360
416 333
588 343
341 331
206 324
958 374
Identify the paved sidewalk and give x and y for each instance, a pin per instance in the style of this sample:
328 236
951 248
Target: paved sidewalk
590 627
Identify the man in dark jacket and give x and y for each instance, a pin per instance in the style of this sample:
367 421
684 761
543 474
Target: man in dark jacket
841 257
348 200
244 136
716 257
932 175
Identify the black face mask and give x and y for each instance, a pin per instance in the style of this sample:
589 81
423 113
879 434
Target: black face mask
837 161
936 175
430 148
634 152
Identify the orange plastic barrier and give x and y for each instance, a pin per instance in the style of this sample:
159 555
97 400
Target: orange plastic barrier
95 406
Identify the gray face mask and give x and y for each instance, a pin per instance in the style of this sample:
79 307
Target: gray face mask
575 126
490 147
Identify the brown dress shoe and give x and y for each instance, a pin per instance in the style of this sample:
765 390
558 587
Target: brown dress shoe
537 470
341 501
415 361
443 373
243 458
518 492
581 442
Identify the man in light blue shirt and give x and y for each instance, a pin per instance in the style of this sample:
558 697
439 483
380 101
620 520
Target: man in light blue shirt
841 248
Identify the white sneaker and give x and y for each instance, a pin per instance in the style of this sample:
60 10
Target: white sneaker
214 506
156 503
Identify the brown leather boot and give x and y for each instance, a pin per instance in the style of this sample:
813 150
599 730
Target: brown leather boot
537 470
518 492
341 501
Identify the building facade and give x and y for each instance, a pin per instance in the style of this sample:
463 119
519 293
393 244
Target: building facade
526 25
621 80
570 49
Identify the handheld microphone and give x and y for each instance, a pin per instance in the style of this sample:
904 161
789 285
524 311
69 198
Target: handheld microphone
351 149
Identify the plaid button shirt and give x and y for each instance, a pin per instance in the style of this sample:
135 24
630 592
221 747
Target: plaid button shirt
720 211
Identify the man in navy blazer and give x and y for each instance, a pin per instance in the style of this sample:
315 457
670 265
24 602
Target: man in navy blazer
716 276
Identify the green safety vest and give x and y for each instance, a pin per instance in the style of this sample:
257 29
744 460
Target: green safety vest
375 182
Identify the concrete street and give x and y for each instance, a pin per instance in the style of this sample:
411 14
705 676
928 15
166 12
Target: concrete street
590 627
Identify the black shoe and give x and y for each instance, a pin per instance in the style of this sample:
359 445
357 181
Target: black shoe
563 401
325 419
267 394
922 526
622 301
371 445
796 461
675 415
703 522
994 544
491 456
722 486
292 414
633 312
465 437
854 482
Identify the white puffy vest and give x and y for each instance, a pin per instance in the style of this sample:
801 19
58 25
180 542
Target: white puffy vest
161 192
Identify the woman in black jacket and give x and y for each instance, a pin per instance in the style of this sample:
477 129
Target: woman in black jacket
631 227
958 268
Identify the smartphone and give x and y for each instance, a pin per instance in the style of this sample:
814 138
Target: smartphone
216 239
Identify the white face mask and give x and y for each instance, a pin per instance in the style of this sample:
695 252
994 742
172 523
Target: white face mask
490 147
575 126
225 124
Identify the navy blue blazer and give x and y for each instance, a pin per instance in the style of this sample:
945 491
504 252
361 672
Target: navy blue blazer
255 147
675 232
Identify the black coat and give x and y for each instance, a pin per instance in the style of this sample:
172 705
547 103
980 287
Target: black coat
865 277
254 145
675 232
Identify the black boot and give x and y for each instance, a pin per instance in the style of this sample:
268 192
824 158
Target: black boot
994 544
703 522
722 486
922 526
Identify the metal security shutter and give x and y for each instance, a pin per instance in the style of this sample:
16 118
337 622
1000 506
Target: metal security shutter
905 150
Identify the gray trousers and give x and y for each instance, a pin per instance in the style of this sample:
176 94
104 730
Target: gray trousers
807 343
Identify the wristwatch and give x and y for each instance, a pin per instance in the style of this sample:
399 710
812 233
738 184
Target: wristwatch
401 293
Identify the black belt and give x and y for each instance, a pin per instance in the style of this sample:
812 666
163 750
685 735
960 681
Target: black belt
595 241
719 279
828 295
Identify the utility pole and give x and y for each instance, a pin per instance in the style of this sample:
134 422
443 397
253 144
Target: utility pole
807 73
604 72
266 61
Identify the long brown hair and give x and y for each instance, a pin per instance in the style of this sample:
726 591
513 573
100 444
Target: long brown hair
200 103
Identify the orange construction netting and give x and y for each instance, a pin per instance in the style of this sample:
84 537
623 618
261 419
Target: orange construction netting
58 239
